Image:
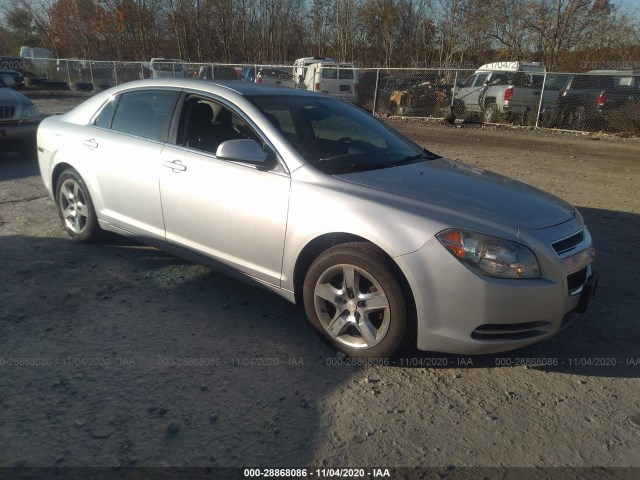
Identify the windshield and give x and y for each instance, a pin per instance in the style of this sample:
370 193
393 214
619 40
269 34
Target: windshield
336 137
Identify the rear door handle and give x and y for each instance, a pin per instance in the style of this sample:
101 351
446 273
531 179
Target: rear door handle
175 165
91 143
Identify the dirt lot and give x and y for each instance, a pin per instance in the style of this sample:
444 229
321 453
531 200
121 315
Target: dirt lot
117 354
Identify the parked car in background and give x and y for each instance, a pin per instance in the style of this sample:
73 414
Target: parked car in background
35 60
589 100
276 77
625 77
12 78
217 72
336 79
497 95
166 68
387 244
366 86
300 68
249 73
19 119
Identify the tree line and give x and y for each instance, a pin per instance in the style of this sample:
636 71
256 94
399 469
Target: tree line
569 35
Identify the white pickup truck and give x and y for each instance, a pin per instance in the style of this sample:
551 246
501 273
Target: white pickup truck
498 94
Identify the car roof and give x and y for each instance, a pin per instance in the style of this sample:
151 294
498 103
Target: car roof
213 86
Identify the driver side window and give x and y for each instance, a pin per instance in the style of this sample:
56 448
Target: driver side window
205 124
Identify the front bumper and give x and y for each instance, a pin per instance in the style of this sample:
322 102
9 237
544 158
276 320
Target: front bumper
461 311
18 131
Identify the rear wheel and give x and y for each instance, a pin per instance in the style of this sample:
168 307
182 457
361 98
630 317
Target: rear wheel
575 119
352 296
75 207
490 113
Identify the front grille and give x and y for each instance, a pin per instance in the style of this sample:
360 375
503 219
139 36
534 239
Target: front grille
577 279
511 331
566 244
7 112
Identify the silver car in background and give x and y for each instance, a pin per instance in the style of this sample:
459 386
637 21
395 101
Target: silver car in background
383 243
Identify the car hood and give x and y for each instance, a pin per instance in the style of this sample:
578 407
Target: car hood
470 190
11 98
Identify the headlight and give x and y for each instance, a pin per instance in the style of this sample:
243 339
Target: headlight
491 255
30 114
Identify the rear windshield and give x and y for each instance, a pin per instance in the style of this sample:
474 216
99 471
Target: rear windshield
337 73
592 81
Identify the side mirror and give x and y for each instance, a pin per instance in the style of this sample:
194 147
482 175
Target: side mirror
246 151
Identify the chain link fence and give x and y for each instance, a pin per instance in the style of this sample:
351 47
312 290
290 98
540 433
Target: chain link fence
605 100
596 101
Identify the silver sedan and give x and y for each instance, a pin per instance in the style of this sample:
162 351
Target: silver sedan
383 243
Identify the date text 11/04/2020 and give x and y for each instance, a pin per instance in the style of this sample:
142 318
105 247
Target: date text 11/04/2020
317 472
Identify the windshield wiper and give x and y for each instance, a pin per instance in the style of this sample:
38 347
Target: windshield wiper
425 155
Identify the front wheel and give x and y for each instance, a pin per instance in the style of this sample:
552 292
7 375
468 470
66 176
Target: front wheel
75 207
352 296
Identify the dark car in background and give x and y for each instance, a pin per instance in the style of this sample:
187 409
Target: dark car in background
593 101
366 87
19 119
16 77
217 72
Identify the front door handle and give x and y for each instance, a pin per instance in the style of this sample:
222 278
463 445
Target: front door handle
91 143
175 165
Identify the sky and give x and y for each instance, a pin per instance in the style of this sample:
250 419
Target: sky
629 3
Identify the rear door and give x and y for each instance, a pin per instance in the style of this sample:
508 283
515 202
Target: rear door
123 145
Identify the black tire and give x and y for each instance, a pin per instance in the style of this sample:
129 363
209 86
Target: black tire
575 119
459 109
385 319
490 113
83 226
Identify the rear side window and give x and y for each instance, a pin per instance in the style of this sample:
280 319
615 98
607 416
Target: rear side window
104 117
345 74
144 113
330 73
480 79
499 79
520 79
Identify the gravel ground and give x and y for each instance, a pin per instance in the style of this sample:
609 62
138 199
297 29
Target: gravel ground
117 354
